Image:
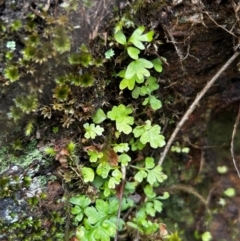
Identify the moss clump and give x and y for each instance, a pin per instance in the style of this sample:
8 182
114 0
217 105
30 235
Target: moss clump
11 72
61 92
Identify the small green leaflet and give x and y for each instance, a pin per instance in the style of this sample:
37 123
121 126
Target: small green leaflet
122 147
150 85
136 145
157 65
88 174
120 115
207 236
80 203
100 222
230 192
120 37
138 37
153 173
103 169
99 116
133 52
139 68
153 101
124 159
115 179
81 200
108 54
156 175
94 155
92 130
140 176
222 169
148 190
129 83
149 134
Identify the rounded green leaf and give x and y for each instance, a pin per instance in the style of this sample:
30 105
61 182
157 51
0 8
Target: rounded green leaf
139 68
127 83
230 192
88 174
157 65
206 236
155 103
222 169
133 52
99 116
120 37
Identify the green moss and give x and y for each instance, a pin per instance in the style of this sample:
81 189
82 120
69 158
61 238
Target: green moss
27 103
61 44
29 52
11 72
33 40
16 25
61 92
80 58
86 80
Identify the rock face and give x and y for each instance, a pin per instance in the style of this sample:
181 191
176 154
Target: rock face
195 37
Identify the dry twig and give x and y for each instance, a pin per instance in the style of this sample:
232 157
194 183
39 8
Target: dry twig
232 141
220 26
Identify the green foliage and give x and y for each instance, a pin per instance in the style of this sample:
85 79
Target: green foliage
179 149
120 114
128 82
99 220
80 202
109 54
80 58
206 236
24 105
113 160
109 162
99 116
149 134
152 173
122 147
149 208
157 65
222 169
94 155
120 37
16 25
147 89
138 37
230 192
138 69
86 80
88 174
92 130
